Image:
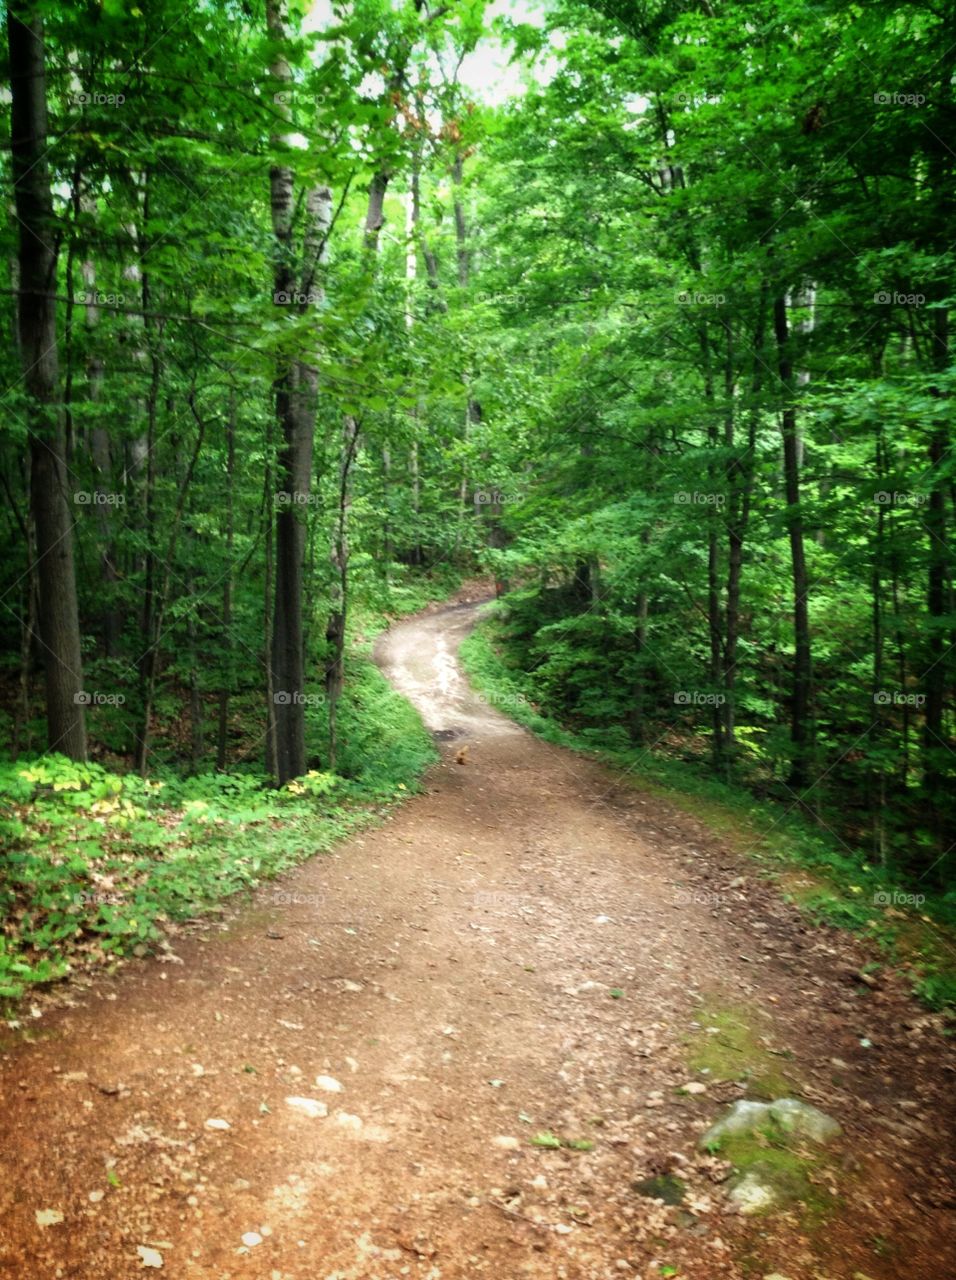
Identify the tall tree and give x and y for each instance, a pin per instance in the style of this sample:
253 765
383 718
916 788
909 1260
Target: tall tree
51 510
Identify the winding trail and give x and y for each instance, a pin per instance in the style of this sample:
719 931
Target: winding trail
524 948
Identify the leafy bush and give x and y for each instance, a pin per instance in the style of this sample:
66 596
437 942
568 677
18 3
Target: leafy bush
94 863
848 891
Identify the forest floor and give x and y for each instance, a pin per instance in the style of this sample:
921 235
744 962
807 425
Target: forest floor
530 949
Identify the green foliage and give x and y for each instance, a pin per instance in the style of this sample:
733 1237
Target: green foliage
698 229
95 865
914 926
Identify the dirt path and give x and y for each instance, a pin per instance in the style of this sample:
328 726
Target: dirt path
522 949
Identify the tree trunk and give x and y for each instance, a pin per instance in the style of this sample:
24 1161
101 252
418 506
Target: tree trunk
295 394
740 480
59 628
222 731
935 747
335 632
800 709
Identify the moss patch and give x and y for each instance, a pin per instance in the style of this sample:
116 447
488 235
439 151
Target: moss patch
791 1169
667 1187
727 1047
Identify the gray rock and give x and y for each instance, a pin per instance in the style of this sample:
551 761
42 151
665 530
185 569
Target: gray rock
804 1120
792 1116
743 1117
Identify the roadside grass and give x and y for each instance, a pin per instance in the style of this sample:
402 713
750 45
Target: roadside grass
819 874
94 864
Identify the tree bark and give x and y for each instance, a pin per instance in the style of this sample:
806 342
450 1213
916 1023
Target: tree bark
740 480
935 747
59 628
295 387
222 730
800 709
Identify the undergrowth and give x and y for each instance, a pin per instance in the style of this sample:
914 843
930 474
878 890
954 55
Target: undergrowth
94 863
915 928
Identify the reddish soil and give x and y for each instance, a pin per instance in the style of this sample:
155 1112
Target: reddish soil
525 948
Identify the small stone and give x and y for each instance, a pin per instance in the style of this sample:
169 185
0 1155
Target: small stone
251 1238
348 1121
149 1257
750 1195
506 1143
218 1124
694 1086
329 1084
48 1217
308 1106
96 1196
